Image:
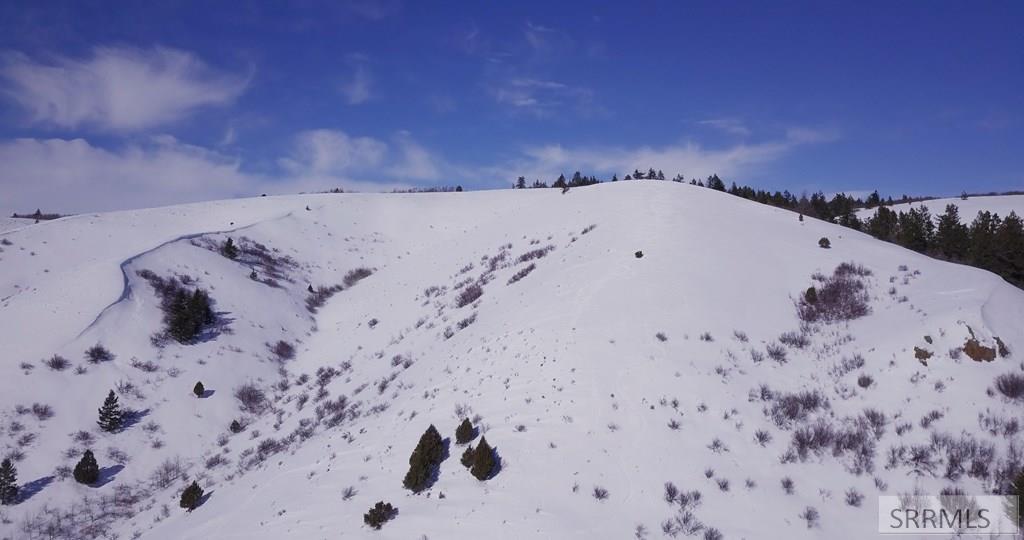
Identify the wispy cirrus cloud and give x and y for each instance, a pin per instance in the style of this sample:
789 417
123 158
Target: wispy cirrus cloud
358 88
542 98
116 88
732 126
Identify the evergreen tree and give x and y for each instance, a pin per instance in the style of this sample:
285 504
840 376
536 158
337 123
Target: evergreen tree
483 460
824 243
883 225
424 459
916 229
716 183
615 178
651 175
228 249
458 189
111 416
873 200
199 389
191 497
235 427
661 175
951 236
188 314
87 471
560 183
8 482
1009 243
465 432
811 295
467 457
982 251
628 177
521 182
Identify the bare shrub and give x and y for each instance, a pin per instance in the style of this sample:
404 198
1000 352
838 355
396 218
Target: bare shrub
756 356
42 411
466 322
661 336
523 272
788 409
283 350
148 366
1011 385
600 493
468 295
319 296
762 437
356 275
168 472
534 254
841 297
865 380
333 412
811 516
797 340
57 363
776 352
706 336
788 485
98 353
251 398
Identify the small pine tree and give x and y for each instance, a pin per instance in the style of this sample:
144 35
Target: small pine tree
483 460
467 457
379 514
811 296
199 389
465 432
8 483
801 218
824 243
191 497
87 471
111 415
424 459
235 427
228 249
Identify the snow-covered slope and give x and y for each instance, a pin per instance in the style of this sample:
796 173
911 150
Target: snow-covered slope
997 204
597 369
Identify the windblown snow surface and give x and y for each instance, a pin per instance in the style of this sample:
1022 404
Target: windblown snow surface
597 369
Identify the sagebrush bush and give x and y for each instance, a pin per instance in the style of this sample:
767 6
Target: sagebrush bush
841 297
776 352
319 296
57 363
468 295
357 275
283 350
787 409
251 398
379 514
98 353
1011 385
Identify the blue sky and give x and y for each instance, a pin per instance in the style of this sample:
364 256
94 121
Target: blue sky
118 105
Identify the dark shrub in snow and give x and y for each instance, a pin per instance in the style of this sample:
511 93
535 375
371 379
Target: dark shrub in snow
319 296
57 363
824 242
357 275
841 297
1011 385
251 398
97 353
8 483
792 408
199 389
87 471
469 294
191 497
379 514
283 350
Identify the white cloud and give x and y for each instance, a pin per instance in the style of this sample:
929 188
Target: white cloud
543 97
690 158
732 126
358 89
322 152
74 176
116 88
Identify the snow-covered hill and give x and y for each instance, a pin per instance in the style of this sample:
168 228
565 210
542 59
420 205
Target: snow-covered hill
596 371
969 208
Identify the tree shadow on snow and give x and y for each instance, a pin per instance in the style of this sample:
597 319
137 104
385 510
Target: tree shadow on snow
107 475
207 393
204 498
31 488
132 417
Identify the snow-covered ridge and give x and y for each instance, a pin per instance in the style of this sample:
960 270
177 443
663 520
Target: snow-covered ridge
595 369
